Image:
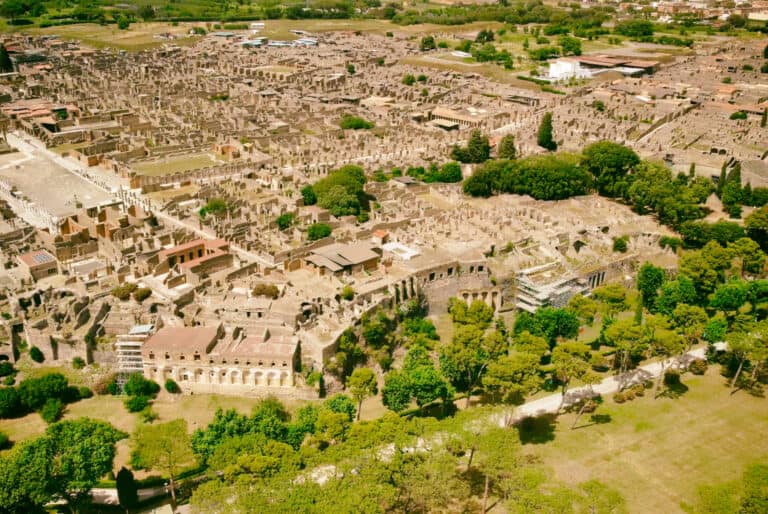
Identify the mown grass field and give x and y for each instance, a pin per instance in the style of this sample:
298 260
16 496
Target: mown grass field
658 452
174 165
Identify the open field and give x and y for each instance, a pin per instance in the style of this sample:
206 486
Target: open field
657 452
140 36
174 165
197 410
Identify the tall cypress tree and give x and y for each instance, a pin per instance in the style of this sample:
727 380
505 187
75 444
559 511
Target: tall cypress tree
545 138
127 489
721 180
6 66
764 119
507 148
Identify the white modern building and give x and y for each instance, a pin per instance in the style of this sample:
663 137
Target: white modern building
565 69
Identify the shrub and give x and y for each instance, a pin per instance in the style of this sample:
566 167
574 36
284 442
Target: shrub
638 390
619 397
4 440
103 384
137 385
172 387
136 403
347 293
148 415
142 294
36 354
671 377
620 244
10 403
6 368
52 410
739 115
269 290
78 363
123 292
113 388
409 80
318 231
354 123
83 393
9 380
698 367
34 392
285 220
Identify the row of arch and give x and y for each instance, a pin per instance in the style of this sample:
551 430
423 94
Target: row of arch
223 376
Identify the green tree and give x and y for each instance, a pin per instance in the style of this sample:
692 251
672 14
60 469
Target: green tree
512 377
147 12
570 364
10 403
309 196
165 447
506 148
752 258
649 280
545 137
63 464
285 220
465 359
36 354
6 66
584 308
34 392
478 149
427 43
396 393
428 385
665 344
318 231
757 227
137 385
610 163
127 489
362 384
747 347
570 45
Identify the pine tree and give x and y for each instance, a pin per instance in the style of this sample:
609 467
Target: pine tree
6 66
721 180
478 147
545 139
507 148
746 194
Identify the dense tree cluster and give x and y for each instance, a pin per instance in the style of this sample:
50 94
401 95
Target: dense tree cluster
544 177
46 395
478 149
341 192
354 475
62 464
612 169
448 172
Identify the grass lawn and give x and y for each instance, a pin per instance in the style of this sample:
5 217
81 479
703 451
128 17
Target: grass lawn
657 452
174 165
140 36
